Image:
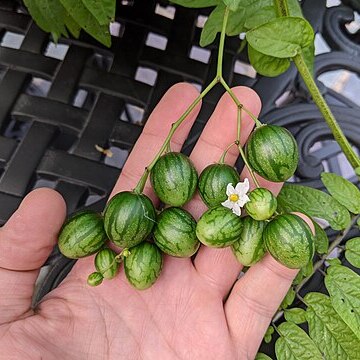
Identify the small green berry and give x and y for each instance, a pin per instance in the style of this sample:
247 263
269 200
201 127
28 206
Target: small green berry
262 204
95 279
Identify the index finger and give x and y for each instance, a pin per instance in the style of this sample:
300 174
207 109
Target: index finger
172 105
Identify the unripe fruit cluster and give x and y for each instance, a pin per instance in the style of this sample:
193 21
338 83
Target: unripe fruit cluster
131 222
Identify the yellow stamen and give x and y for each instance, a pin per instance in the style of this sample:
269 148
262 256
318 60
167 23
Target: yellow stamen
234 197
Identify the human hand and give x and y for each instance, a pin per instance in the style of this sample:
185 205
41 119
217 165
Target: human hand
195 310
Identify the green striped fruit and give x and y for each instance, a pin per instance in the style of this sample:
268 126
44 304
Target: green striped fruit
213 182
106 264
95 279
289 240
262 204
129 218
175 233
82 235
143 265
219 227
250 248
174 179
272 152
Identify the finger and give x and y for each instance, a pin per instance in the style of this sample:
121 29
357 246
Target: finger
26 241
169 109
255 298
219 266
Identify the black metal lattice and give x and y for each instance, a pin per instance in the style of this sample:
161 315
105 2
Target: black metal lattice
56 104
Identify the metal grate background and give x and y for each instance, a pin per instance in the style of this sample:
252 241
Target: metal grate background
57 103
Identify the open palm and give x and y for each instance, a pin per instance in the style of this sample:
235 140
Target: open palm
196 310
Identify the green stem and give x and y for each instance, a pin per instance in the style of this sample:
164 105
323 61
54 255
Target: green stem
222 159
339 136
118 259
221 45
239 104
239 109
354 160
282 8
240 148
141 184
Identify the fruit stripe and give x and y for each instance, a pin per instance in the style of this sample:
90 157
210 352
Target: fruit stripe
126 220
82 235
129 218
175 234
250 248
218 227
106 264
283 230
271 165
143 265
174 179
213 182
261 199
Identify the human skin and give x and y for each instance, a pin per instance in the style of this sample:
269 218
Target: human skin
196 309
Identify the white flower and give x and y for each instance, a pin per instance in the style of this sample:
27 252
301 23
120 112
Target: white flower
237 197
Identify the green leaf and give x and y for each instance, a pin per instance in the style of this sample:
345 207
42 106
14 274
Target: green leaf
262 356
212 26
87 21
304 272
321 240
271 39
294 8
267 338
343 286
314 203
196 3
233 5
235 23
308 269
72 25
254 9
345 192
288 299
295 315
352 251
357 171
333 261
214 22
262 16
49 15
268 334
335 339
267 65
102 10
298 278
295 344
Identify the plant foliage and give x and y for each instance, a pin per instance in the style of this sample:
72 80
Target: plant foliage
59 17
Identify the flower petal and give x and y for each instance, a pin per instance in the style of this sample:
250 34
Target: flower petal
242 187
243 200
229 204
236 209
230 189
246 185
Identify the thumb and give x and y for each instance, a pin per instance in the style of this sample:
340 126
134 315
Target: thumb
26 241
